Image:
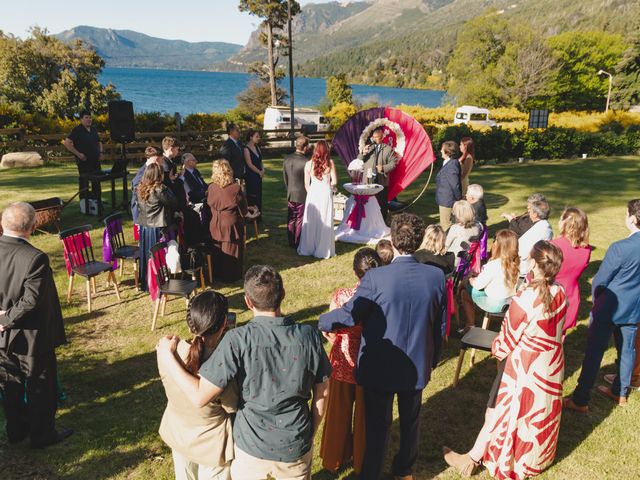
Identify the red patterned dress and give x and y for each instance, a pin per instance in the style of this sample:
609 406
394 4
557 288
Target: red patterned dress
524 435
346 346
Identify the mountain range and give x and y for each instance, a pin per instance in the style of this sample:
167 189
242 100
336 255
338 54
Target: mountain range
126 48
405 43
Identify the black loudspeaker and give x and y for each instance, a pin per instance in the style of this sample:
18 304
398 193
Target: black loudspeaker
121 121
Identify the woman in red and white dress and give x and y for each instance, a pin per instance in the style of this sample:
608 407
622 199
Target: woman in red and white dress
343 438
522 420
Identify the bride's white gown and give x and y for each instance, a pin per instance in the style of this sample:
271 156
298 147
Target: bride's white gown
317 237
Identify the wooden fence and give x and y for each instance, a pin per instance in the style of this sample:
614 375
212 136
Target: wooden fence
203 144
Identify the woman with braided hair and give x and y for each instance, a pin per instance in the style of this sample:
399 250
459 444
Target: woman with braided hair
200 438
522 420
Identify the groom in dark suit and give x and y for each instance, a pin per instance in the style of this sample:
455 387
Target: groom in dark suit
402 308
231 151
381 159
293 173
31 328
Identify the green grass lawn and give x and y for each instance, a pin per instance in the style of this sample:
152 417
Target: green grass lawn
108 369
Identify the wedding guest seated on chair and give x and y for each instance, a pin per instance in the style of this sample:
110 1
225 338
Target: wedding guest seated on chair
496 283
576 252
540 230
228 209
475 196
194 185
519 224
384 249
433 250
522 419
463 230
343 436
200 438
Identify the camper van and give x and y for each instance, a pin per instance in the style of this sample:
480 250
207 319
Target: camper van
471 115
306 119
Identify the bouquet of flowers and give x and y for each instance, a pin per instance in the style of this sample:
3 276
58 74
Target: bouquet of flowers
356 171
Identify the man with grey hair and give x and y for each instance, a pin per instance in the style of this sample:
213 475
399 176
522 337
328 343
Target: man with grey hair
521 223
540 230
31 328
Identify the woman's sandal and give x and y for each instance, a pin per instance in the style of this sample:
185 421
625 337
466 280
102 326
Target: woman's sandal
463 463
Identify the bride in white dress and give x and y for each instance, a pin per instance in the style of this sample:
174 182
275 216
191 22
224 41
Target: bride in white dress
318 237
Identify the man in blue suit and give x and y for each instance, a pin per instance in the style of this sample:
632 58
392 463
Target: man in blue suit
402 309
448 190
616 311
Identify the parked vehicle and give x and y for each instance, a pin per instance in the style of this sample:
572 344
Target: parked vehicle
306 119
470 115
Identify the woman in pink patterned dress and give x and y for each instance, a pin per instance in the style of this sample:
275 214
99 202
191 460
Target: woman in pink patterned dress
343 438
522 420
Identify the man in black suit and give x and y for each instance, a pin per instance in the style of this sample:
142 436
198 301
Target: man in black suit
194 184
31 327
448 187
231 151
381 159
293 172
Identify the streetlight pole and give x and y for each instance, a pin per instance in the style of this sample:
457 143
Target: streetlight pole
291 100
601 72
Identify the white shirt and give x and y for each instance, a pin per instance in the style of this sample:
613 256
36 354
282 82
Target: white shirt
491 280
541 230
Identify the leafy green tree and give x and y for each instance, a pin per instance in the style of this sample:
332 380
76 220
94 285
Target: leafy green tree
581 54
626 82
338 90
275 14
44 75
257 97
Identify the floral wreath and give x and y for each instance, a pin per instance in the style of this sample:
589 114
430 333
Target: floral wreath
400 139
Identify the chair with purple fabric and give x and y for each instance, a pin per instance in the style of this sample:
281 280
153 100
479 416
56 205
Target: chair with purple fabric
79 251
119 249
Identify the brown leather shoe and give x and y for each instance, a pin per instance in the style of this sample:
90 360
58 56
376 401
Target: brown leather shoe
569 404
610 377
606 392
462 463
406 477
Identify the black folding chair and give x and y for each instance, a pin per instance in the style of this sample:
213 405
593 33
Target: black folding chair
121 251
166 285
475 338
77 245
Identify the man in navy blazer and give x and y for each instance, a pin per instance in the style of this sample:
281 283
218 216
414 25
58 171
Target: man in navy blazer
448 190
616 311
402 310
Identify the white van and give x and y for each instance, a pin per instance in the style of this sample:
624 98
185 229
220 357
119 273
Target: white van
306 119
470 115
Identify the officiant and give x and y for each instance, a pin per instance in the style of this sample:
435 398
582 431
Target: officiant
381 159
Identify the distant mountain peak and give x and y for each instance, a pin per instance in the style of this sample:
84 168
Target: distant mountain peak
127 48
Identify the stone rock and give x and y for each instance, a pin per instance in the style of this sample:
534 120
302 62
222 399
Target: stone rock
21 160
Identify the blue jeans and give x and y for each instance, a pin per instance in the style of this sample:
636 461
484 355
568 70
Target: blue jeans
600 332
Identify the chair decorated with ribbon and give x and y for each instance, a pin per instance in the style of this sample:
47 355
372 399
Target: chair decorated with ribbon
79 260
114 247
161 285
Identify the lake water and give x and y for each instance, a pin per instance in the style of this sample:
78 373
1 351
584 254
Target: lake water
170 91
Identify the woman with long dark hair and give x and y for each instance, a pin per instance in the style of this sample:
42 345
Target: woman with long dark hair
467 158
255 170
156 208
200 438
317 237
522 420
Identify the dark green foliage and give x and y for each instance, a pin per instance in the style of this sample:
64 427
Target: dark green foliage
626 85
44 75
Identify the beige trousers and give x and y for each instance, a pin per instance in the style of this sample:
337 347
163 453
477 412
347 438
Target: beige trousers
185 469
247 467
445 217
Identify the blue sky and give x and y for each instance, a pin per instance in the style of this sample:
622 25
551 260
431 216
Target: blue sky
191 20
